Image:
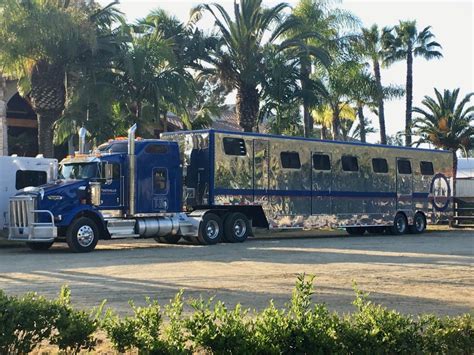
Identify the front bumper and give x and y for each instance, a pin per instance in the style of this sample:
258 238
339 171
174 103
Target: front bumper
23 222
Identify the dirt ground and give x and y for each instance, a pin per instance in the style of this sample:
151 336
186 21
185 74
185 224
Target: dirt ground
414 274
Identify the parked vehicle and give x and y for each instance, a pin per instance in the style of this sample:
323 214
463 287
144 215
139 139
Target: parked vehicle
17 173
464 199
211 186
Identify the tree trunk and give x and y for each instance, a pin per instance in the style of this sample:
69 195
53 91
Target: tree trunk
360 114
409 98
247 102
378 79
165 121
305 72
324 132
46 121
335 123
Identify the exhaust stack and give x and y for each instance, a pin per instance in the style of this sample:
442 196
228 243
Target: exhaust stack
132 169
82 140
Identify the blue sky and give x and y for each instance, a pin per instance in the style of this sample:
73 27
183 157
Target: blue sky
452 23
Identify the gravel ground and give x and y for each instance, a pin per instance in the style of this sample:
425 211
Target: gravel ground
414 274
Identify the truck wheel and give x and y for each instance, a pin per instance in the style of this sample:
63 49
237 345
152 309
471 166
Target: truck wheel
82 235
210 229
419 224
236 228
400 224
355 230
38 246
169 239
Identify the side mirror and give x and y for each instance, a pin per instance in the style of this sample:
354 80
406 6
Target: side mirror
108 173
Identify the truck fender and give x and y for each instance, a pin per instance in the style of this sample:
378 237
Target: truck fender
84 211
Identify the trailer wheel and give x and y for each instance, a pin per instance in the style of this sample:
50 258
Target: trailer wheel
82 235
169 239
400 224
355 230
419 224
38 246
210 229
236 228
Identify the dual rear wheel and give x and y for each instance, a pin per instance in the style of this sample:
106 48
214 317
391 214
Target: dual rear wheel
233 228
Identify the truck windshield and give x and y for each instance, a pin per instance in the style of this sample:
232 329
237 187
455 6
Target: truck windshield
78 171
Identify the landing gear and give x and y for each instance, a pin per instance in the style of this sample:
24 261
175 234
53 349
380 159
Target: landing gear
355 230
236 228
82 235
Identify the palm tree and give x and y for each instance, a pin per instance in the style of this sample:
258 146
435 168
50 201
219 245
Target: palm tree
319 25
41 42
405 44
371 43
238 54
446 124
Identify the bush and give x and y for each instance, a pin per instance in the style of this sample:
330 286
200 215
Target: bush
301 327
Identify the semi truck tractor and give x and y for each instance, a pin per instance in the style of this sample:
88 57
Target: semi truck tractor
215 186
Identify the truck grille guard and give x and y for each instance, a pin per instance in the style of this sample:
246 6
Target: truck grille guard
24 225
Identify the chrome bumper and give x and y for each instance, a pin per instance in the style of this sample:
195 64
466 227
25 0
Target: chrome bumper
23 221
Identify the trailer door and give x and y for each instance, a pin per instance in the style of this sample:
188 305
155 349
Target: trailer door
321 183
261 155
404 184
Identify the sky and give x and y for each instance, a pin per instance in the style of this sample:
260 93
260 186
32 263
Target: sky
452 23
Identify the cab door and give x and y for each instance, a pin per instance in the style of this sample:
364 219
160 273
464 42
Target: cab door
112 187
404 184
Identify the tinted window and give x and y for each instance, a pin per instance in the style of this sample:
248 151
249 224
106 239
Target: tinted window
160 181
26 178
426 168
380 165
121 147
156 149
349 163
404 166
290 160
234 146
321 162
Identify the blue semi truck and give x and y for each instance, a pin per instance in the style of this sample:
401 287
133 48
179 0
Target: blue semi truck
211 186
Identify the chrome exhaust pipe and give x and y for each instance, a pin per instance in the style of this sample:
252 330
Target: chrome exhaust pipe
131 168
82 140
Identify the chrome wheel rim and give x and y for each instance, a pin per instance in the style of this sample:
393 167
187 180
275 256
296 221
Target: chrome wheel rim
85 236
240 228
212 229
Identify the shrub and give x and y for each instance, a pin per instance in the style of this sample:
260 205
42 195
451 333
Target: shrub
141 331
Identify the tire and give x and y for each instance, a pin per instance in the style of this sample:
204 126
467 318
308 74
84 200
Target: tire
82 235
236 228
419 224
376 230
210 229
38 246
400 225
169 239
355 230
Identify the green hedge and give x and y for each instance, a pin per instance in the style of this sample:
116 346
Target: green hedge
301 327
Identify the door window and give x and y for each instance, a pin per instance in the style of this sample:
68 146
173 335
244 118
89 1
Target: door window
26 178
404 167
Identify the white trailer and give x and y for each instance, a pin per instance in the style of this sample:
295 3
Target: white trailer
16 173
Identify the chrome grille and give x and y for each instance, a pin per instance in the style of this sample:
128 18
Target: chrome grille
21 211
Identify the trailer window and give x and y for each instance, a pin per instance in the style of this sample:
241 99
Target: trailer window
26 178
379 165
160 181
426 168
349 163
404 166
290 160
156 149
321 162
234 146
